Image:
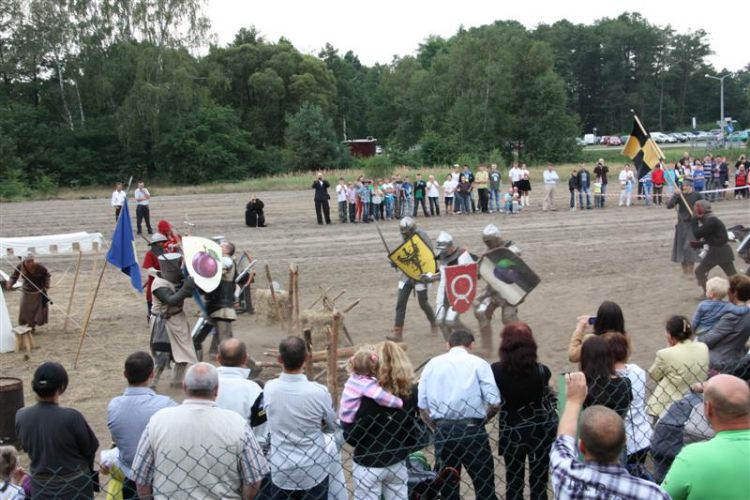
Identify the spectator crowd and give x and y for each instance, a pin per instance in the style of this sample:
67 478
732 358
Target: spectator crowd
679 429
464 191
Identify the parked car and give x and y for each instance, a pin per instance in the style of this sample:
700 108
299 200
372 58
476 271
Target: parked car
614 141
604 141
580 142
739 136
679 136
659 137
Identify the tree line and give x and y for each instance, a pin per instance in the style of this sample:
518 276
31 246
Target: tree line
92 91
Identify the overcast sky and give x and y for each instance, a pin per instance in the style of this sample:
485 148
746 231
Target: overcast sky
377 30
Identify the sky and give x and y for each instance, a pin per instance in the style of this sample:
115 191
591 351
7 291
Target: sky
376 31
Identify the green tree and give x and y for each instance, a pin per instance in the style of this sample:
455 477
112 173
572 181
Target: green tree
310 141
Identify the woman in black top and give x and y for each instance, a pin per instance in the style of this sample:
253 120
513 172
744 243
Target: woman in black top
605 388
59 441
527 429
382 437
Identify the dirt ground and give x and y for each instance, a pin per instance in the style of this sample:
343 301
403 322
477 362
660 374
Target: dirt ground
582 257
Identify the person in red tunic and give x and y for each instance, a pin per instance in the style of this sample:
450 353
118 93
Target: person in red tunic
174 240
151 265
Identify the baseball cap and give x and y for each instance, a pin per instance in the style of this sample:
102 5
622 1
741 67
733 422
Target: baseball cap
49 378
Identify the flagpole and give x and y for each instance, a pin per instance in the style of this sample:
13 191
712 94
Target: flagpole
88 314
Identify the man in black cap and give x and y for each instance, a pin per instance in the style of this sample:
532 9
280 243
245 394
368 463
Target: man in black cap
682 252
709 230
59 441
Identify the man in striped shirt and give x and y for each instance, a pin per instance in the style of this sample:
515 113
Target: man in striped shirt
602 437
197 449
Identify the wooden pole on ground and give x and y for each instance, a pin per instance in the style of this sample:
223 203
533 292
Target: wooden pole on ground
88 314
333 346
273 296
309 361
72 291
295 301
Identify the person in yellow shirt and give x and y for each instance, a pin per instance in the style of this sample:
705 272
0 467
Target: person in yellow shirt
482 181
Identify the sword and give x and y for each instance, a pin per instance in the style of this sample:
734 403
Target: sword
382 238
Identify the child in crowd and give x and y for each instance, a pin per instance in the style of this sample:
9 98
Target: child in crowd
598 193
508 201
407 197
699 177
15 484
351 199
740 183
573 187
363 368
388 198
710 311
377 201
341 199
449 187
626 185
365 197
433 194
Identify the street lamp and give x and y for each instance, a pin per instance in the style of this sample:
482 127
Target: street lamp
721 79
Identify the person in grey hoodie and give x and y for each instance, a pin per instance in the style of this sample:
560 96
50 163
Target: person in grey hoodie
727 339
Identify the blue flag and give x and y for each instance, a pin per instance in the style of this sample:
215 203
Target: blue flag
121 253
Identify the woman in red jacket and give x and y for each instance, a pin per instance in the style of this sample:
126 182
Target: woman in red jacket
657 177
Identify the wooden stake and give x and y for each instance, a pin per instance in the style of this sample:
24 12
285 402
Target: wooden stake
333 346
308 362
72 292
350 306
324 293
273 296
88 314
295 302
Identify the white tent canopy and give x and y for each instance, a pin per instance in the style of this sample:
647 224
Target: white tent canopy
7 340
52 244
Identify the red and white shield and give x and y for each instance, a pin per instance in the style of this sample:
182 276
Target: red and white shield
461 286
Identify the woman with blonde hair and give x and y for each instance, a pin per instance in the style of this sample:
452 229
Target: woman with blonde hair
384 437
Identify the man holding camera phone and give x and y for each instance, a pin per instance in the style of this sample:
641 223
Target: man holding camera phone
320 185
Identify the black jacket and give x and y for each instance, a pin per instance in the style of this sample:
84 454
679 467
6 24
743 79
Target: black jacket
712 231
321 190
384 436
583 179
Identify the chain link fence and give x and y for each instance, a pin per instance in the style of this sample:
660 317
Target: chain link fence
395 454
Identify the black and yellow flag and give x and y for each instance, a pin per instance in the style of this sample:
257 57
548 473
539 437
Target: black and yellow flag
642 149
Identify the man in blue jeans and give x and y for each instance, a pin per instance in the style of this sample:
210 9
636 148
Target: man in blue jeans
584 183
457 396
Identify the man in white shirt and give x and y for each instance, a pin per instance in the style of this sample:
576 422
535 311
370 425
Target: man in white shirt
298 412
457 396
142 210
550 182
118 199
237 392
197 449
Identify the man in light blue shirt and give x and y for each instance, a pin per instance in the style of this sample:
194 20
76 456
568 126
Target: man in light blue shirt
127 415
457 396
298 412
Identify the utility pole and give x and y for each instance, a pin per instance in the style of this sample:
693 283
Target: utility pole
721 80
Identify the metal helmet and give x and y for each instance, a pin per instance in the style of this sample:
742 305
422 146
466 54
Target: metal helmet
491 236
157 238
444 243
170 267
408 227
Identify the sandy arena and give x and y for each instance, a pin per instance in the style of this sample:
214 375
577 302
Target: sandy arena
582 257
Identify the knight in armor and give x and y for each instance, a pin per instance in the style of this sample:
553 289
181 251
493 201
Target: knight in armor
170 330
491 299
220 302
448 255
408 228
682 252
151 265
